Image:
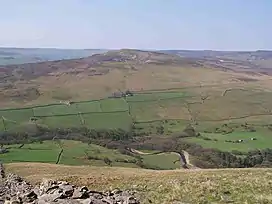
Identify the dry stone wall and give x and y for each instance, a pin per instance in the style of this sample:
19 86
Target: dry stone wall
15 190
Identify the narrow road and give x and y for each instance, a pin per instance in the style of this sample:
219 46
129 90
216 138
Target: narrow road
187 157
183 157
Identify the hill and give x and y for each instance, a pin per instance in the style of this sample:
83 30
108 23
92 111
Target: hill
243 61
147 101
176 186
31 55
102 74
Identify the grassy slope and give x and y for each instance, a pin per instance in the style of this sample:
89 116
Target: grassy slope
164 160
147 77
263 141
173 113
200 186
75 154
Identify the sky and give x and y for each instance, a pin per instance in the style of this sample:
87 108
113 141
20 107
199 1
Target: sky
141 24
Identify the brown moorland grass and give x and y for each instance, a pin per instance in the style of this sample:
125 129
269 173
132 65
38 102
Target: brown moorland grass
81 86
172 186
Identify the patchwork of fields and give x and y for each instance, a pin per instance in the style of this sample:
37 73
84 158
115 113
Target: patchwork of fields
78 153
92 114
217 118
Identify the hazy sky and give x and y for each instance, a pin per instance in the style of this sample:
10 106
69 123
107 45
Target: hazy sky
154 24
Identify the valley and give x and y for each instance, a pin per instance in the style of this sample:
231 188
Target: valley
135 99
135 102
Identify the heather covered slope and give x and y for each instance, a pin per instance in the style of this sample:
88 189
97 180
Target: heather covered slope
177 186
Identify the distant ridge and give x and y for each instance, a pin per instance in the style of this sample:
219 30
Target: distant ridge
11 56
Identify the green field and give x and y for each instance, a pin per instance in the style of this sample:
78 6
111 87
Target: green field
161 109
111 104
161 113
214 131
17 116
60 121
218 141
76 153
106 113
61 109
169 126
107 120
163 160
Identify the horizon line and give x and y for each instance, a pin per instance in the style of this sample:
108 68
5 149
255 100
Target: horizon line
163 49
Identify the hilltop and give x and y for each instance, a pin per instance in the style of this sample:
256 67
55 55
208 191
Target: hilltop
243 61
100 75
25 83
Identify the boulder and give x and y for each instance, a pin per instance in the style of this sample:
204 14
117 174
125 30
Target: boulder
15 190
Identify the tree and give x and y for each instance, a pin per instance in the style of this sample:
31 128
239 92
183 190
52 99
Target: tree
160 130
190 130
107 161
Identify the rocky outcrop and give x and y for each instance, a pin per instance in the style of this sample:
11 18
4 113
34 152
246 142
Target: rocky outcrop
15 190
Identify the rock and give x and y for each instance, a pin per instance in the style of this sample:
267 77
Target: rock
29 197
86 201
66 201
93 201
2 171
80 193
67 189
108 201
48 186
97 195
131 200
15 190
50 197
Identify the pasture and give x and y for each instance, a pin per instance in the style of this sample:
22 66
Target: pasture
62 109
162 113
222 141
78 153
74 153
162 161
105 113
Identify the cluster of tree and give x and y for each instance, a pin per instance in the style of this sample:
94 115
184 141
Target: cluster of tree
80 134
189 131
121 140
201 157
213 158
229 128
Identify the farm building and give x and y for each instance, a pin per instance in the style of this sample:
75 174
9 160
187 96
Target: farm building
117 95
129 93
239 141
